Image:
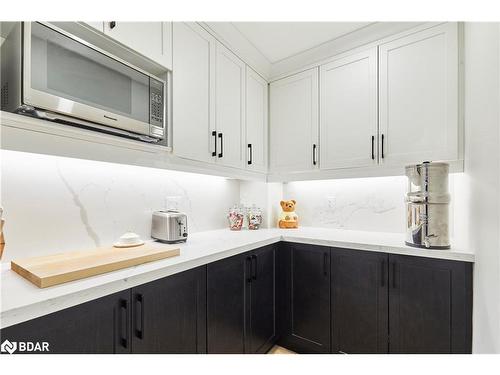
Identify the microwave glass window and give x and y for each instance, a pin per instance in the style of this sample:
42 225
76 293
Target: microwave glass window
63 67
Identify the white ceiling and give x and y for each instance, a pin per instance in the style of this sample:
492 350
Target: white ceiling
279 40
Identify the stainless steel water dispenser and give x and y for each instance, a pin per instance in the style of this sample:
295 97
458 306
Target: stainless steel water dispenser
427 206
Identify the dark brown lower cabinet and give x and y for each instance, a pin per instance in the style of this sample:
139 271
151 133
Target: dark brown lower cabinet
169 314
98 326
305 301
262 300
372 302
241 308
430 305
311 299
226 304
164 316
359 301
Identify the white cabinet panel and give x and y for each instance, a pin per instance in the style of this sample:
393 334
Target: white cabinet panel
151 39
193 92
294 122
229 107
419 97
256 121
348 118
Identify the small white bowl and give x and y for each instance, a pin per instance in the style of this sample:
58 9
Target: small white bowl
129 239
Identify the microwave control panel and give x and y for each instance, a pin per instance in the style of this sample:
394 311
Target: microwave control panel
157 106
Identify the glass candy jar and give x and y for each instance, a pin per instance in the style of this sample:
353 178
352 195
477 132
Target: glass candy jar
235 218
254 216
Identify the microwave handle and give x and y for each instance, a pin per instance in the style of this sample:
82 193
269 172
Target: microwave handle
55 117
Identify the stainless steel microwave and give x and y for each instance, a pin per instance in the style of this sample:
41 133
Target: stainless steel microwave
49 73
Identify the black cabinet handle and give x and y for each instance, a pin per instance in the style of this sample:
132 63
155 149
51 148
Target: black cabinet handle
221 145
249 269
123 323
394 285
139 332
251 154
112 24
325 264
254 266
382 276
373 147
382 146
314 153
214 134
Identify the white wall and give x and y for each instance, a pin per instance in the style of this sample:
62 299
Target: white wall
53 204
267 196
482 171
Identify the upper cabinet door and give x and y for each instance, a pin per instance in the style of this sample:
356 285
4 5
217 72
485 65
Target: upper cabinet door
294 122
151 39
348 117
193 92
256 121
229 107
418 81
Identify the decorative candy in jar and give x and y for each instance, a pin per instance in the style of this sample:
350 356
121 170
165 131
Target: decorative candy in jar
235 217
254 216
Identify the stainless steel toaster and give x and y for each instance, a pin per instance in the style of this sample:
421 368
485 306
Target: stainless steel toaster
169 226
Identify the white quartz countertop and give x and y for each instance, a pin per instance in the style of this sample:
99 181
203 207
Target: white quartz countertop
20 300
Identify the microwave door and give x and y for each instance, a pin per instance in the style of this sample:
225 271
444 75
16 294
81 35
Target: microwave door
66 76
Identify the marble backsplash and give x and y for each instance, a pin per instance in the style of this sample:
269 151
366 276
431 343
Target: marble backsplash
54 204
367 204
374 204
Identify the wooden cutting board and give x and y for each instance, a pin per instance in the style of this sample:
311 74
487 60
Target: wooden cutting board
56 269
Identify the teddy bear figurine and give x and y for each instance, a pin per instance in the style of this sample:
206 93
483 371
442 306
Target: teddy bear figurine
288 217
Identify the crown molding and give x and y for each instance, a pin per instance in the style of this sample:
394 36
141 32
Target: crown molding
360 37
233 39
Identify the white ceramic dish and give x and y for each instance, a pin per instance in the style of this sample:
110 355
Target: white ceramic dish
129 239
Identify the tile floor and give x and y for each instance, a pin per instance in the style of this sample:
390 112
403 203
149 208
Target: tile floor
276 349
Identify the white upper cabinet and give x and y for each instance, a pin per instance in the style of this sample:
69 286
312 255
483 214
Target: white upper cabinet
294 122
151 39
193 75
256 121
348 117
209 101
418 96
229 107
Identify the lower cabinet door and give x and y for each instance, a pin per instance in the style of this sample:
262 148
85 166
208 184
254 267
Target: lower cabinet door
430 305
262 306
227 281
95 327
359 301
305 307
169 314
